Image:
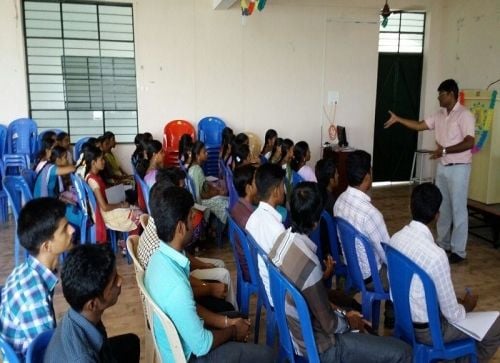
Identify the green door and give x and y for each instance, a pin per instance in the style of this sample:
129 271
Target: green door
398 89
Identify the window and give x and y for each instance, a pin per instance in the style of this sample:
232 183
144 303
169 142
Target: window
81 68
404 33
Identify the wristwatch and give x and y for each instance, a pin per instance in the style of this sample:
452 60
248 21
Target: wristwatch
444 151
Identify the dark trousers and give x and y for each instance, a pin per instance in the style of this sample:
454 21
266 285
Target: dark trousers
126 348
237 352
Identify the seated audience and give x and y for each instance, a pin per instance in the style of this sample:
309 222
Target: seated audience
416 242
155 156
80 164
354 205
269 144
301 155
26 308
113 168
327 176
62 139
90 285
119 216
241 155
284 160
185 149
244 183
206 193
211 294
139 155
202 340
44 154
265 223
276 155
227 141
295 256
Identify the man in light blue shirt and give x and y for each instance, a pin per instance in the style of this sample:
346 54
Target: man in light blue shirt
167 280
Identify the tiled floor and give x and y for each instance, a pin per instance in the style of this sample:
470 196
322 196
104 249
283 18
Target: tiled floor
480 272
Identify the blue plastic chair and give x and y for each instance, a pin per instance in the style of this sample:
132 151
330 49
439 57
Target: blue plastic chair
4 201
22 137
144 189
77 149
14 164
19 194
233 194
296 178
245 289
401 271
255 251
370 299
281 287
331 231
3 140
8 352
87 224
36 349
210 133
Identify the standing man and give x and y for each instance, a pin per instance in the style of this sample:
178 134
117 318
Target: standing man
454 125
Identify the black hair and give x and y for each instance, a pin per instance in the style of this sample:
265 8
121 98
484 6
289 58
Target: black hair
139 163
169 206
242 177
240 154
195 150
49 135
426 199
325 170
91 155
148 136
306 205
270 134
38 221
86 272
57 152
449 85
241 138
170 174
46 144
299 154
85 147
60 136
108 135
358 165
286 145
268 177
152 147
185 146
227 140
92 141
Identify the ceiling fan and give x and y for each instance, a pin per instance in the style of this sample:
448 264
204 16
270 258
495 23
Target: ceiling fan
386 12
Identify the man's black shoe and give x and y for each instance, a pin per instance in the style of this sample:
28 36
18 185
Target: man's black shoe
454 258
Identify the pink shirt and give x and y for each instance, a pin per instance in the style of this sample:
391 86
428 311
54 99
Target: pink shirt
451 129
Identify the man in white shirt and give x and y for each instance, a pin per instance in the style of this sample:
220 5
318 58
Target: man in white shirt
417 243
354 205
265 223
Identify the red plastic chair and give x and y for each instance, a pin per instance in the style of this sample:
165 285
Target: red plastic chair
172 133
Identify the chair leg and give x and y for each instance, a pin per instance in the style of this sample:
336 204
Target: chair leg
375 314
270 328
257 320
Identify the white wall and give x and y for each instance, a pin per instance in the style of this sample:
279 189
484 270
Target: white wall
275 70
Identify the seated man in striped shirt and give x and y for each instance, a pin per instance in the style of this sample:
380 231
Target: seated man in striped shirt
416 242
295 256
26 309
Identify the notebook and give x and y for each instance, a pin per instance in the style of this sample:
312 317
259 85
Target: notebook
477 324
115 194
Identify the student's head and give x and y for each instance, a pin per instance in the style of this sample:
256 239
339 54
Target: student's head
301 155
42 227
425 202
46 149
359 169
49 135
286 151
89 278
59 156
171 210
270 138
326 172
198 153
172 175
94 159
154 152
227 140
241 155
276 153
241 138
62 139
244 182
92 141
306 205
110 139
448 92
269 182
185 146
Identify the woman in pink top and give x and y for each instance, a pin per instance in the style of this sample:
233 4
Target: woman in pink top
301 155
155 155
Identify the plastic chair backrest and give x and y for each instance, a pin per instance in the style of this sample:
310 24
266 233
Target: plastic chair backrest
36 349
144 218
143 190
401 272
3 140
18 192
14 164
281 288
173 131
331 228
255 252
77 149
22 137
132 244
231 189
210 131
7 353
168 326
349 236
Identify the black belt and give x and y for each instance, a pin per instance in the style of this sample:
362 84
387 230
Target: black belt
421 325
368 280
451 164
